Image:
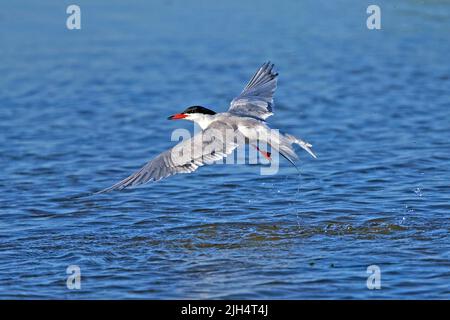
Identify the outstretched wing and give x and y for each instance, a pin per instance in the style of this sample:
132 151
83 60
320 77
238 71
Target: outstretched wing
256 100
206 147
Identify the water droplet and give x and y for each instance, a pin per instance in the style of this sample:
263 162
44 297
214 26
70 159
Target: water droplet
418 191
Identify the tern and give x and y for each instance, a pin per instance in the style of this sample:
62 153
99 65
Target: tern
246 117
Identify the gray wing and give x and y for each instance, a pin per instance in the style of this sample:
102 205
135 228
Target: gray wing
256 100
206 147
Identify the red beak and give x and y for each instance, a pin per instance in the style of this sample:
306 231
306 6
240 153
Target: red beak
177 116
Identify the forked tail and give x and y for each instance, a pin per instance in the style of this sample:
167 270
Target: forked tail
303 144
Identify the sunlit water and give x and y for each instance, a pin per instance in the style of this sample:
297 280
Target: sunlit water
80 110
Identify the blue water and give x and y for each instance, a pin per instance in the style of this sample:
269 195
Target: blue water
82 109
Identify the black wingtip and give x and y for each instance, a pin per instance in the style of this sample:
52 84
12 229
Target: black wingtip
268 67
292 162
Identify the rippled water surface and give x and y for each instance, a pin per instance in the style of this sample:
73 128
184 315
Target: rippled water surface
80 110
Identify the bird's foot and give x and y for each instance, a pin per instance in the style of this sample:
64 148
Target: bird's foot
265 154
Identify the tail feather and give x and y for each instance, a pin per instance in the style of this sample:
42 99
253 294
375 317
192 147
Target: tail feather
282 143
285 150
303 144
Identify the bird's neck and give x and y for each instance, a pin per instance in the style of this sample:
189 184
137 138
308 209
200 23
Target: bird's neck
203 120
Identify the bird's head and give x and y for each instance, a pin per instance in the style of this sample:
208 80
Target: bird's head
198 114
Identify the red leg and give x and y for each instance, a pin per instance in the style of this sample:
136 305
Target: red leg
266 154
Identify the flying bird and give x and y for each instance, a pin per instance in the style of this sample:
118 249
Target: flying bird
245 120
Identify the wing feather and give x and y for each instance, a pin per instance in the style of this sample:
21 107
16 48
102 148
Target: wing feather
204 148
256 100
